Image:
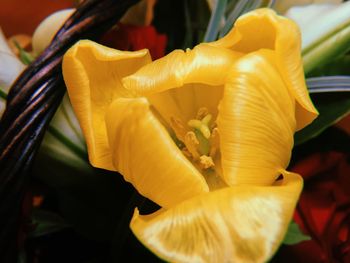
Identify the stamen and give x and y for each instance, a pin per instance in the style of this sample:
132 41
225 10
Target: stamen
178 128
206 162
191 143
214 142
202 143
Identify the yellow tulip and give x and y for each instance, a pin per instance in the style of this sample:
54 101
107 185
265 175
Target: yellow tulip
206 134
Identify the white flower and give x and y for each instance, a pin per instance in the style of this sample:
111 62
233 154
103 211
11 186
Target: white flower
10 65
283 5
318 21
47 29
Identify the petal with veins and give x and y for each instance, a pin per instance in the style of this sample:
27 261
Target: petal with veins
93 76
145 154
263 29
182 82
234 224
256 121
204 64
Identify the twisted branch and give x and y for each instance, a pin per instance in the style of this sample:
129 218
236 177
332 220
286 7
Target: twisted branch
31 103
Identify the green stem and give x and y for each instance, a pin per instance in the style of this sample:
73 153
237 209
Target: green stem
334 46
214 23
3 94
67 142
71 124
59 135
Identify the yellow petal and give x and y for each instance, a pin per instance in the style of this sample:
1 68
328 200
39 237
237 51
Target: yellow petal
144 153
93 74
256 121
234 224
263 29
181 82
204 64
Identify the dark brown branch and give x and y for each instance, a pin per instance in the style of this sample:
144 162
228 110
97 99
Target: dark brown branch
31 103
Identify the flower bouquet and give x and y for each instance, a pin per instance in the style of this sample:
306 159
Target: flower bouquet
221 138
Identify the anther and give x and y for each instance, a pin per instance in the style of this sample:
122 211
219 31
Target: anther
206 162
214 142
192 143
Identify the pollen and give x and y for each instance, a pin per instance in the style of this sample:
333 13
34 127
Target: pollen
206 162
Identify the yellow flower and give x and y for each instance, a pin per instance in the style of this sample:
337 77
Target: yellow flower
206 134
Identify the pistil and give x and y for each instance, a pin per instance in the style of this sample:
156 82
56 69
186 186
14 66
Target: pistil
202 125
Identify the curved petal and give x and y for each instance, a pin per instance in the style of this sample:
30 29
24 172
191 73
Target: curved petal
93 74
234 224
144 153
204 64
263 29
256 121
181 82
47 29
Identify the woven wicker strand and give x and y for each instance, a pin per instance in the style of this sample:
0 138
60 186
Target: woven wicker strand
31 103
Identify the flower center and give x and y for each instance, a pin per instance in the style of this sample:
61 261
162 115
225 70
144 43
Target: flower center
199 139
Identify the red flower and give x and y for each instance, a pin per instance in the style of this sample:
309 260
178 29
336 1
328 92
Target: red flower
323 211
132 38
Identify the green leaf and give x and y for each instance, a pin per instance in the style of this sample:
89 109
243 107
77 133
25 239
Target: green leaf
24 56
336 45
338 66
22 256
294 235
328 84
332 106
3 94
196 23
327 37
46 223
215 19
67 142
